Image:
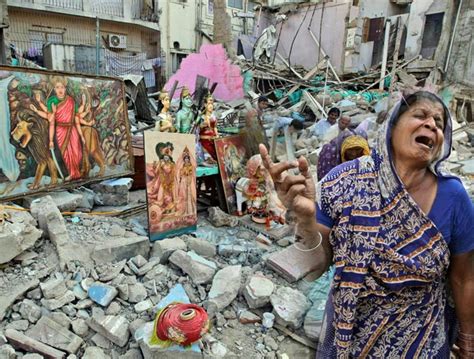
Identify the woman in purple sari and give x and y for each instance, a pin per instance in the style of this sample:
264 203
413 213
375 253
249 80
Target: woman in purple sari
399 230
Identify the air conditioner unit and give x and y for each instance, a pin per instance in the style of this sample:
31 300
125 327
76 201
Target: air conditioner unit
117 41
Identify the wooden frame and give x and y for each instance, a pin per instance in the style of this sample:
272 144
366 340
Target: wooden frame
170 161
60 130
232 160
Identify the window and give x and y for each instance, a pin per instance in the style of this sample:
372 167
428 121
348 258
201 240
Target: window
238 4
431 35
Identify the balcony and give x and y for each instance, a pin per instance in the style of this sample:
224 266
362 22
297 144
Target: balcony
118 10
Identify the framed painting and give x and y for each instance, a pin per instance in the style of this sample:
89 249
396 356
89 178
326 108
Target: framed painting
60 130
232 160
170 160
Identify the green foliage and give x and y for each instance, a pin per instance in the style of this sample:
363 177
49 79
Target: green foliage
25 87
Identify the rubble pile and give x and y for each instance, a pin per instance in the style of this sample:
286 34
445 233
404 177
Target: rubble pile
57 302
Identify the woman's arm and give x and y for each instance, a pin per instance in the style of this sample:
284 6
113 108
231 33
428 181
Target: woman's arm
461 278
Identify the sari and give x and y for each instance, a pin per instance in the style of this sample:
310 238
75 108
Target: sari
67 136
389 296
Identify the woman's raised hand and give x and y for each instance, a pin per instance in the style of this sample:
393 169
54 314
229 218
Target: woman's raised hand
297 192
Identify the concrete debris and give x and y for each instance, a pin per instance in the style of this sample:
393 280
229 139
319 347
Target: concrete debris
7 299
164 248
219 218
30 311
247 317
106 285
117 249
94 353
199 272
201 247
114 328
258 291
64 200
102 294
113 192
58 302
289 306
17 235
49 332
21 341
225 286
53 288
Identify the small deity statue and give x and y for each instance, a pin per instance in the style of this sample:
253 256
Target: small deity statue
208 127
185 115
258 192
165 122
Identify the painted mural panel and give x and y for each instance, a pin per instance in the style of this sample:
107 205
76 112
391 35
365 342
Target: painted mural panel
170 183
232 159
58 130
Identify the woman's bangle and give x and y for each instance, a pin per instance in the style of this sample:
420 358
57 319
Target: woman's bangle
311 249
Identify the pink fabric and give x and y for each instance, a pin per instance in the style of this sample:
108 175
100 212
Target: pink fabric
211 62
72 154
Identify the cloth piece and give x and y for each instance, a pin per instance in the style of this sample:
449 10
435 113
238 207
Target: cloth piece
321 128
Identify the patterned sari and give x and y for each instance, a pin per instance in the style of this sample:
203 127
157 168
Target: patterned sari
388 297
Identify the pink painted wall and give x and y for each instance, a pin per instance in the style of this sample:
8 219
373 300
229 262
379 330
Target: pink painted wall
211 62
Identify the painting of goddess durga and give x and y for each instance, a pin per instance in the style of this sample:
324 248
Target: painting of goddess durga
170 183
59 130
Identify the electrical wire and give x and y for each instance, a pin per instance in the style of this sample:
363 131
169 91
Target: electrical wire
294 38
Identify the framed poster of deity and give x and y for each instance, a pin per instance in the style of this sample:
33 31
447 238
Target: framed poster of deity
60 130
170 160
232 159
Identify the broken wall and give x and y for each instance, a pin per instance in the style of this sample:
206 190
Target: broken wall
359 55
419 11
308 17
461 65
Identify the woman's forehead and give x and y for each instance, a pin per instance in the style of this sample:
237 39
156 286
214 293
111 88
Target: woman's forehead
425 104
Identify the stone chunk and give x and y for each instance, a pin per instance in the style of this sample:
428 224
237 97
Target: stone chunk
52 304
162 249
225 286
17 235
8 298
49 332
114 192
51 221
136 293
64 200
30 311
219 218
94 353
20 325
247 317
7 352
117 249
258 291
21 341
80 327
102 294
114 328
53 288
201 247
199 272
143 306
289 306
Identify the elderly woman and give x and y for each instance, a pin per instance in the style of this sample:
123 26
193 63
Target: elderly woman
398 230
348 146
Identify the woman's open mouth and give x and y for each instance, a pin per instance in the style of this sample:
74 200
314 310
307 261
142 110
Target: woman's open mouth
425 141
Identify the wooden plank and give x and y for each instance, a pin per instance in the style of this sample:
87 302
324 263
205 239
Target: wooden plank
287 64
296 337
21 341
307 76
